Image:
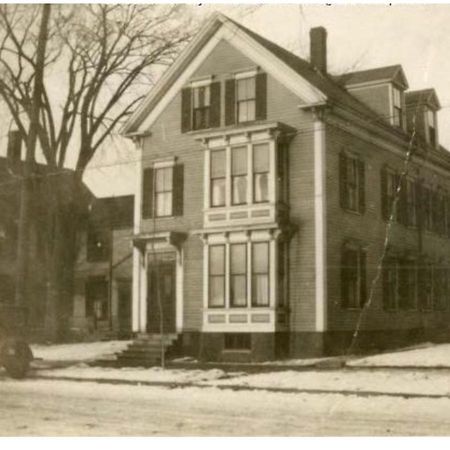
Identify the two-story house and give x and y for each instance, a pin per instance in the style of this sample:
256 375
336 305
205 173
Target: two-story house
282 211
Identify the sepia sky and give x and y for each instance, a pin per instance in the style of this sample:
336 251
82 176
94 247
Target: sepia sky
359 37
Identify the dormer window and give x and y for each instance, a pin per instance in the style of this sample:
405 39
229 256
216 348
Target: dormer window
430 120
398 107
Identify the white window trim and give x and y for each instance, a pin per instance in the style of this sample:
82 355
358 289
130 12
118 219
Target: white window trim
201 82
164 163
228 176
247 74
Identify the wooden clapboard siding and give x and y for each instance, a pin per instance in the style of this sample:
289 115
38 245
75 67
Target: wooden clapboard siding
369 229
167 140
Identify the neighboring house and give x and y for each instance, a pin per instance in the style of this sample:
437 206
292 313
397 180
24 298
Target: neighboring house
11 171
264 190
102 298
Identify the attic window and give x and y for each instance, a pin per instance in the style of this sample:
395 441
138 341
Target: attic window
398 108
430 120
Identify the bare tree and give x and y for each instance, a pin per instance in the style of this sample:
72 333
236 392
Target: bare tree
99 62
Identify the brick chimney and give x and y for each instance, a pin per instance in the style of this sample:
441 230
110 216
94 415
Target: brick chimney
318 48
14 149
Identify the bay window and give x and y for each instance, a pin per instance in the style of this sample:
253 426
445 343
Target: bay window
217 276
218 177
260 274
239 175
243 174
261 168
238 275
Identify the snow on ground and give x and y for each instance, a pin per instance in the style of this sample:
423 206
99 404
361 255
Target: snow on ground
138 374
385 381
426 356
51 407
84 351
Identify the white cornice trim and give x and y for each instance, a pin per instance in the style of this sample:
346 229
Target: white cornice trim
184 68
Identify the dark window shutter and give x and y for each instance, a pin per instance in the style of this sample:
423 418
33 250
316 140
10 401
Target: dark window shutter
230 102
343 180
178 189
362 187
147 193
344 277
384 194
186 110
261 96
362 278
215 104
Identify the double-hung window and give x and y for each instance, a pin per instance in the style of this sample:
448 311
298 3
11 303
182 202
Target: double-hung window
217 276
261 169
260 274
201 107
246 99
353 277
431 126
238 275
239 175
398 108
163 191
352 183
218 177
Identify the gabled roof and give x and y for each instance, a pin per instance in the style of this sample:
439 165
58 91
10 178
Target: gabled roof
423 96
286 62
393 74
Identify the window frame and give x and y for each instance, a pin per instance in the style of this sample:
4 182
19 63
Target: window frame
204 109
239 274
212 179
244 78
158 169
258 274
431 126
397 107
360 302
223 276
256 173
240 175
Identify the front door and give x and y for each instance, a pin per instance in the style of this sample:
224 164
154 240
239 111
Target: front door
161 297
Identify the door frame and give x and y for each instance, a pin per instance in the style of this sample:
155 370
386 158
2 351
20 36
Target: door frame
160 266
143 262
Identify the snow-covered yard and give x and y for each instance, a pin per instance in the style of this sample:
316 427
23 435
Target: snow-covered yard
137 374
84 351
428 355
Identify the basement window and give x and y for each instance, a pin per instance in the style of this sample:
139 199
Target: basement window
237 341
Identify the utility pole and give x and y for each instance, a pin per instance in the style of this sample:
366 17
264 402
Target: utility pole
26 185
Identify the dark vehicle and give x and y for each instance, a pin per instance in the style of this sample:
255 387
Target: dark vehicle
15 354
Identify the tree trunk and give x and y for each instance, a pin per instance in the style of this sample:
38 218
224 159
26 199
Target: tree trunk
64 216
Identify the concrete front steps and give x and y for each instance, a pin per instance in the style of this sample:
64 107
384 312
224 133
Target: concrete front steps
144 351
